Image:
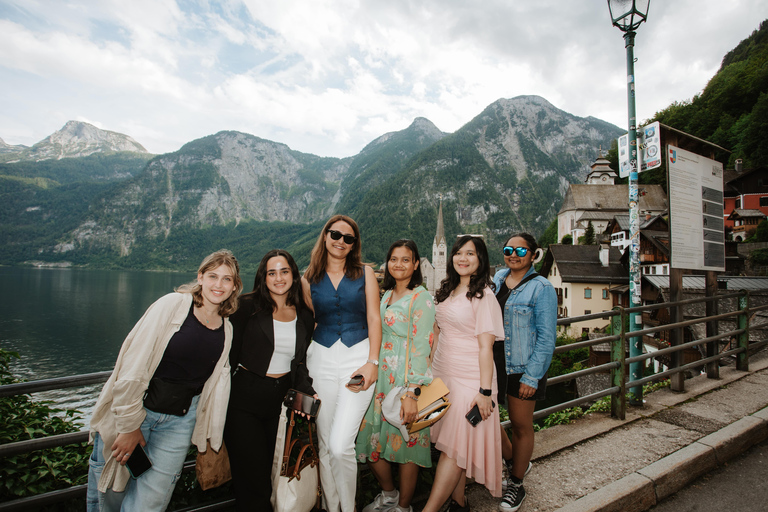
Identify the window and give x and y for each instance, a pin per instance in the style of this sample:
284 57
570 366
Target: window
566 293
653 270
605 293
587 311
738 203
587 293
764 201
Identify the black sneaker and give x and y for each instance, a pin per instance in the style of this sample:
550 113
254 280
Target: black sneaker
505 476
513 498
455 507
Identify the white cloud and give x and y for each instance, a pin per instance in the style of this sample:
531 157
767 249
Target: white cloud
328 76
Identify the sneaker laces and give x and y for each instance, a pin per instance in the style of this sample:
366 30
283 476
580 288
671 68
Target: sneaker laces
510 495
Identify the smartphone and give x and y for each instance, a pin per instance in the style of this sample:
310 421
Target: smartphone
474 417
302 402
138 463
356 380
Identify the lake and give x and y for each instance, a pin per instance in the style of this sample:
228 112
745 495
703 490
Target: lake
73 321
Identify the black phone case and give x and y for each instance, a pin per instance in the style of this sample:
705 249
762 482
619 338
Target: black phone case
138 463
474 417
302 402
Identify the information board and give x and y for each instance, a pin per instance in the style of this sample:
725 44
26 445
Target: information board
649 139
697 238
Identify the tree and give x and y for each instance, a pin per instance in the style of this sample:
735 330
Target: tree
550 235
567 240
589 234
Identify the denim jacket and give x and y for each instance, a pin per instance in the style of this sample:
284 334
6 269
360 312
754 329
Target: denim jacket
530 320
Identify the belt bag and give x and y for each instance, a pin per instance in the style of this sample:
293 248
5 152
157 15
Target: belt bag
168 397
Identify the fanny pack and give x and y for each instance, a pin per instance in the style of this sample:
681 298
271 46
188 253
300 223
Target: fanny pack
168 397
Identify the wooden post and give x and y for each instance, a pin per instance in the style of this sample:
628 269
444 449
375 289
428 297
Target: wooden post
677 381
713 368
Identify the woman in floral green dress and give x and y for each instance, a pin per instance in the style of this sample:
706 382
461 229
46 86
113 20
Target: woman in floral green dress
380 443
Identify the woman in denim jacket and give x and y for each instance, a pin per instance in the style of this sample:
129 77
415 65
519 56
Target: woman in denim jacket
529 306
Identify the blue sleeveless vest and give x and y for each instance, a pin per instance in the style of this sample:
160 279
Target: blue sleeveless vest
340 313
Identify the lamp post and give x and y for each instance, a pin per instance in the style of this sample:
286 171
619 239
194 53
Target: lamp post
628 15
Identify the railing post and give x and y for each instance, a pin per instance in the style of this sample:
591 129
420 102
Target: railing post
619 375
676 380
713 368
742 359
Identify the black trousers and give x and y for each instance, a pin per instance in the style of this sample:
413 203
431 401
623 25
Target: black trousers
250 432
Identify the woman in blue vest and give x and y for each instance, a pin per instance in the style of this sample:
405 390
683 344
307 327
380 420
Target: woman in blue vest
344 296
529 305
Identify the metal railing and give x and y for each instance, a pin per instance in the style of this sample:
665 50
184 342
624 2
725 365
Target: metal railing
618 319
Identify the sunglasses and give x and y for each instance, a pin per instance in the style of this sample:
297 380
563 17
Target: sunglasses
336 235
520 251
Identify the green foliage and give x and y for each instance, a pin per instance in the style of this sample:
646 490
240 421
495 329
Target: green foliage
761 233
550 235
39 471
758 257
567 240
563 417
589 235
570 361
732 111
98 167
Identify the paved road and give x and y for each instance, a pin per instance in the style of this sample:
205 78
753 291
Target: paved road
740 485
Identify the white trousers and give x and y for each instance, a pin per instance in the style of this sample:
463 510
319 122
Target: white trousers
339 418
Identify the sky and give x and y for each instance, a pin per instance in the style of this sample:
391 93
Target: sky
328 77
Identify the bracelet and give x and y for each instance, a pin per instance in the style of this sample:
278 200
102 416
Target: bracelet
485 392
405 395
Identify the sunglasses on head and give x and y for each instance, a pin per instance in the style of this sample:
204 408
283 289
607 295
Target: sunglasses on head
520 251
336 235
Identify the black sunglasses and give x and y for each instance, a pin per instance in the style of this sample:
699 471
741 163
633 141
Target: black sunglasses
520 251
336 235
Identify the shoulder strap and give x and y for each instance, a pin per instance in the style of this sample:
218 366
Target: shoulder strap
525 280
408 338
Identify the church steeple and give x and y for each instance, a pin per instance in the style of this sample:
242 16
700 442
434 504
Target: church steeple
439 251
440 235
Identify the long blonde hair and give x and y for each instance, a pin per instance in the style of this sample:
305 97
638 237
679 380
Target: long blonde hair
353 268
212 261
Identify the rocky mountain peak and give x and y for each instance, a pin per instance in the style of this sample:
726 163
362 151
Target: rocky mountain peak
78 139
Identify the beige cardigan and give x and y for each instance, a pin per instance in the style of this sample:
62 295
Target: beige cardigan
120 407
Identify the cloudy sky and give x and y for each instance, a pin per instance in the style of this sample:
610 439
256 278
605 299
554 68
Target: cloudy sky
329 76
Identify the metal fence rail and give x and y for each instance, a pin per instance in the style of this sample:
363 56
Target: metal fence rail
617 368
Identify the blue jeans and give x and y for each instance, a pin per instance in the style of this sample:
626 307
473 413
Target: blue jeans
168 439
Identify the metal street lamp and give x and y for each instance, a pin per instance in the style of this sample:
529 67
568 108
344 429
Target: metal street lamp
628 15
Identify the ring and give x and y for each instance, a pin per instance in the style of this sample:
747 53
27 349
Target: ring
127 455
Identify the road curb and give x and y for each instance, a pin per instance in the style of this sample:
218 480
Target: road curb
641 490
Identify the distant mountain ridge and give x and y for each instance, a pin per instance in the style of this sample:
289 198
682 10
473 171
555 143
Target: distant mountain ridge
75 139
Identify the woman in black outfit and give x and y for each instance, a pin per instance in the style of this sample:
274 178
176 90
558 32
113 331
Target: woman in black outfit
272 330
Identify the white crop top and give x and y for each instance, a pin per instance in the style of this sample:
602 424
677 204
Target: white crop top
285 347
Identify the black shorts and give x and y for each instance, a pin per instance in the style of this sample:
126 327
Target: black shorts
501 372
513 387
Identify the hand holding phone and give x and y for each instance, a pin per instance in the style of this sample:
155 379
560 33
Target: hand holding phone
138 463
356 382
302 403
474 417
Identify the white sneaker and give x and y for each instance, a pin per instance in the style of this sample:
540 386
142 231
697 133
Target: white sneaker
505 473
383 503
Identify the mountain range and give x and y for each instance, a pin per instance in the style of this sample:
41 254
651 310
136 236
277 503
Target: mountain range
504 171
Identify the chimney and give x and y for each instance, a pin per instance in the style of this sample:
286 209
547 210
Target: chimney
739 164
603 254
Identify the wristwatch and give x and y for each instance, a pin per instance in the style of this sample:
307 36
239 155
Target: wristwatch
374 362
485 392
416 391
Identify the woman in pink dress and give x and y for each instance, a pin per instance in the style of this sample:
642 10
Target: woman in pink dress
467 322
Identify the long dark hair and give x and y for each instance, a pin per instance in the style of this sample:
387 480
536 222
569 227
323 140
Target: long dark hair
318 259
478 282
529 240
416 279
262 299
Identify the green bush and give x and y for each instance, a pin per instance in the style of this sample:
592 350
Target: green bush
40 471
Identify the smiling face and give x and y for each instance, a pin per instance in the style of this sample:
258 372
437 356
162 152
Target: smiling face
279 276
515 262
401 264
339 248
216 285
465 261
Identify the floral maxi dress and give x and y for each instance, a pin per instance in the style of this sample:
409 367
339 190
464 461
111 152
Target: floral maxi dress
377 438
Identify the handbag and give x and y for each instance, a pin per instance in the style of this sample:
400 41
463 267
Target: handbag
212 467
295 485
432 403
168 397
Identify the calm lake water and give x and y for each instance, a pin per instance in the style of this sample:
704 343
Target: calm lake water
73 321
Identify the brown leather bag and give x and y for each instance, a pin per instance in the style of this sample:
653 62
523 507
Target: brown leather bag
212 467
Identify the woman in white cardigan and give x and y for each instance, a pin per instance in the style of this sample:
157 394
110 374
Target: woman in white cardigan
169 388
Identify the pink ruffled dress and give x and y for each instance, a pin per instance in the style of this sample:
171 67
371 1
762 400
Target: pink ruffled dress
456 361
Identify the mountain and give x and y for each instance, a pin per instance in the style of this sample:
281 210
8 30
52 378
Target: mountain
505 170
8 148
76 139
732 110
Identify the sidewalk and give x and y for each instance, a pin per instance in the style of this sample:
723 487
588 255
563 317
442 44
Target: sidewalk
601 464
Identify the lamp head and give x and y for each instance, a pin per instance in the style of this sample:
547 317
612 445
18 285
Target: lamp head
628 14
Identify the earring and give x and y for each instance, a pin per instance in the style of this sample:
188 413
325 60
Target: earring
538 255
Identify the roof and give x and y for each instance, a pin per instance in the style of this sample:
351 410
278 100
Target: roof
739 213
697 282
613 198
581 264
596 215
622 219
